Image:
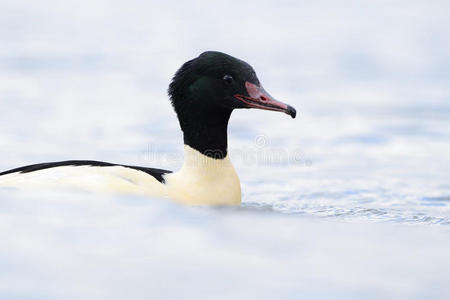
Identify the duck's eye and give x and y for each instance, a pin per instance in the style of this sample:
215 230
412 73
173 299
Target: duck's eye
228 78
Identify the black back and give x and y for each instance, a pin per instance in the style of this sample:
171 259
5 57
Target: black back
157 173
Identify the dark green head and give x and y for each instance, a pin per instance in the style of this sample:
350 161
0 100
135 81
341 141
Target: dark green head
206 89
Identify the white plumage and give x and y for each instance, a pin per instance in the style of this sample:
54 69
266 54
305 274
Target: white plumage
201 180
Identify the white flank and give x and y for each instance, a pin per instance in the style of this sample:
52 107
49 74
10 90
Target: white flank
201 180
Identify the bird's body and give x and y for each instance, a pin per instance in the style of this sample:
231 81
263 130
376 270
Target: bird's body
204 91
201 180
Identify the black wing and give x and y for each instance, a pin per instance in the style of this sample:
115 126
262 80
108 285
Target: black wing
157 173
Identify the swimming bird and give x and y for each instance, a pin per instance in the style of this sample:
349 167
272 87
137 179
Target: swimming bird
203 93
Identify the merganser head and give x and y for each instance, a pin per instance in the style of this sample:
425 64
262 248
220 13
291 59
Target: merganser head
218 79
204 92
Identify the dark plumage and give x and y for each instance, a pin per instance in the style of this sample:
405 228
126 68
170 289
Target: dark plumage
203 100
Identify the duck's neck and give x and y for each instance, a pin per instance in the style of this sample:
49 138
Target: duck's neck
207 133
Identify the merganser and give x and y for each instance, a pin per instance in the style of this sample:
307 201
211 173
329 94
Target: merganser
203 92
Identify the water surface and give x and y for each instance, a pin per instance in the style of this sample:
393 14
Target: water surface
350 200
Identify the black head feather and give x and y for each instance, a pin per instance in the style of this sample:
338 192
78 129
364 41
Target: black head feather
204 92
201 80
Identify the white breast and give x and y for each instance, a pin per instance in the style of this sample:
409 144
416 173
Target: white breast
204 181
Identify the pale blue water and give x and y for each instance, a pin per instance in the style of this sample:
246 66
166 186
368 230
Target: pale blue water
349 201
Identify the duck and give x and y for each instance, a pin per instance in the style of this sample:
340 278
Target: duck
203 92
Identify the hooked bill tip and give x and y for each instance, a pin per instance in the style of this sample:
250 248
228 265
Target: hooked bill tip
291 111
